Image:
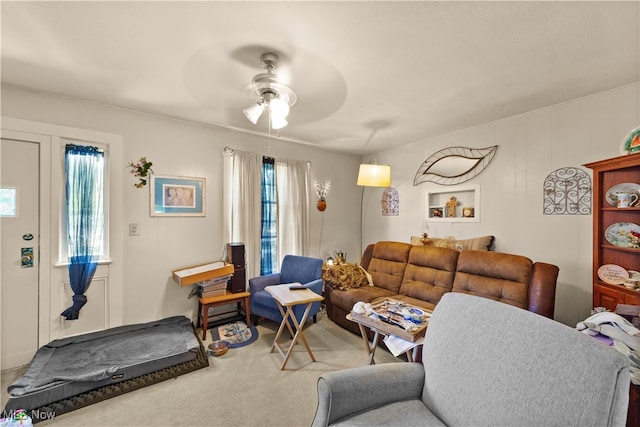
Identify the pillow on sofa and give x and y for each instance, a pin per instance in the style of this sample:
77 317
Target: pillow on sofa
476 244
346 276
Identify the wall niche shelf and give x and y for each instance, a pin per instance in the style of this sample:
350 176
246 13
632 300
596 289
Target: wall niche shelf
466 197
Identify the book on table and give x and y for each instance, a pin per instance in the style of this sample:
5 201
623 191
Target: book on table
213 287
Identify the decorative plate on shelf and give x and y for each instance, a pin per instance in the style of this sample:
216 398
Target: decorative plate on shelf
612 274
631 143
623 234
625 187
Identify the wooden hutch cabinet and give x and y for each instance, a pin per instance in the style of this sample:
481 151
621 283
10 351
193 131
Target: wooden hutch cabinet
607 174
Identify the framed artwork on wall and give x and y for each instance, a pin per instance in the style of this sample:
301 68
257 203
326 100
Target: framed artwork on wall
177 196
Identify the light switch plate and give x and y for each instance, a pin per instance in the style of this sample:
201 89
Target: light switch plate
134 229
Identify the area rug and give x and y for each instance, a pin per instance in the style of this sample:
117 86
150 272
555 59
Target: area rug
236 334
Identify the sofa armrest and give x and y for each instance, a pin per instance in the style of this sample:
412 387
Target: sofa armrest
351 391
542 289
259 283
315 286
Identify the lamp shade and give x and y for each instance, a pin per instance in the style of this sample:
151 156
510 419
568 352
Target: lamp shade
253 113
279 108
278 122
371 175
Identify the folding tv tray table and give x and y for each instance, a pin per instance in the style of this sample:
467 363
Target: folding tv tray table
287 299
382 328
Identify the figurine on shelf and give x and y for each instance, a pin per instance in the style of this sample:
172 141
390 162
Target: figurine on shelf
451 206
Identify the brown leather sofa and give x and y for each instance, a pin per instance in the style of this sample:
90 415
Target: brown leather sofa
421 275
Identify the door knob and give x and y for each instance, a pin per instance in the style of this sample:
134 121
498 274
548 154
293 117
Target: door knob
26 257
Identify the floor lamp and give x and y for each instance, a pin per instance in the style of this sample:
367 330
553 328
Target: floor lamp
371 175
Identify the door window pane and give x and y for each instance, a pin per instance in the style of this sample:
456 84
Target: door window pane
8 201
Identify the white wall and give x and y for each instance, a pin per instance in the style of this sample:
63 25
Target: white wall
182 148
530 146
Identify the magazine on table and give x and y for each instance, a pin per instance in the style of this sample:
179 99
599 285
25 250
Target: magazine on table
398 346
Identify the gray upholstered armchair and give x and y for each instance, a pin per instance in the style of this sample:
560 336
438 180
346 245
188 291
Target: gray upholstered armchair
485 363
295 269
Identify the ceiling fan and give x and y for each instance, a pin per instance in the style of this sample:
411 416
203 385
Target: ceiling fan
269 94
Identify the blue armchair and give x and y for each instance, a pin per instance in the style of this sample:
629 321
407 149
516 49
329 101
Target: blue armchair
304 270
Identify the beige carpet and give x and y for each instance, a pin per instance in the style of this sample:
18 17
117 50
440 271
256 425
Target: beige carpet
245 387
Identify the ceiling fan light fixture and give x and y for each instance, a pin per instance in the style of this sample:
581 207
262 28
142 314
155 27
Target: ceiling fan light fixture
254 112
278 122
269 93
279 108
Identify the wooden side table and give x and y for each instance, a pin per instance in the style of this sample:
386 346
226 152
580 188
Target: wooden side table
287 298
204 304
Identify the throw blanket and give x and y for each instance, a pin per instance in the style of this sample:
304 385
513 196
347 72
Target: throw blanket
99 355
346 276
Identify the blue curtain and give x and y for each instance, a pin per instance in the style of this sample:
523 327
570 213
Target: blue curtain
269 228
84 171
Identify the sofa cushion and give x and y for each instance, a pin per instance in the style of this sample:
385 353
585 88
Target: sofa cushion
476 244
402 413
495 275
346 299
388 263
429 273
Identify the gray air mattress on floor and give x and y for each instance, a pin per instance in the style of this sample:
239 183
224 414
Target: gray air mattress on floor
73 372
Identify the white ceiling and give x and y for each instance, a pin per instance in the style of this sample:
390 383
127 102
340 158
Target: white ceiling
368 75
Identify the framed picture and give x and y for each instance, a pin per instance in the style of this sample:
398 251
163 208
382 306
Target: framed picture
467 212
436 212
177 196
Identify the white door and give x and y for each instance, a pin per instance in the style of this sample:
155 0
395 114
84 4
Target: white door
20 251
